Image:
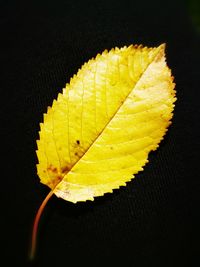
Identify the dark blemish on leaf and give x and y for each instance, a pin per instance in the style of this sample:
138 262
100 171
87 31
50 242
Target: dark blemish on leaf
78 142
52 168
76 154
65 169
59 178
111 148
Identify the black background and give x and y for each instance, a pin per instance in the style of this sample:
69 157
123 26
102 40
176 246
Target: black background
153 220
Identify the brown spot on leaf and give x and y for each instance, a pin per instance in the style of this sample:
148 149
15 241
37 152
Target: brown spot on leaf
78 142
54 175
59 178
52 168
65 169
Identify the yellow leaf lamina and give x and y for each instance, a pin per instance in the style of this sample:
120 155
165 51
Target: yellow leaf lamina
98 133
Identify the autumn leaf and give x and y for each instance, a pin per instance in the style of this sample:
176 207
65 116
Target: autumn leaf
98 133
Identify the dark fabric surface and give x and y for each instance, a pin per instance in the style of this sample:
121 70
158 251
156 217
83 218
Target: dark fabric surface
154 219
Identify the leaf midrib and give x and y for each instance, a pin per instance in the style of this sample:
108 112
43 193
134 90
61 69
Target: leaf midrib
112 117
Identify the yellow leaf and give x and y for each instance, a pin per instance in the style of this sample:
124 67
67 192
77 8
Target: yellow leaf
98 133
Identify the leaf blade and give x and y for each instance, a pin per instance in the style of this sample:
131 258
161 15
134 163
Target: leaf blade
74 184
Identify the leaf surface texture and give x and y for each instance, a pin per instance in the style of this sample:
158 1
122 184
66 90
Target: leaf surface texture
98 133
